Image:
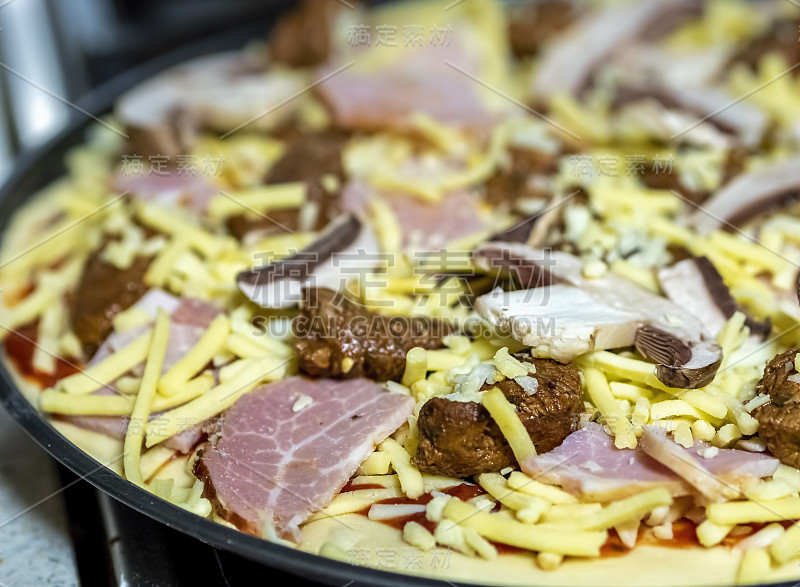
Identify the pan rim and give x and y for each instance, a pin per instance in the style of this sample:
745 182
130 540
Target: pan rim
13 195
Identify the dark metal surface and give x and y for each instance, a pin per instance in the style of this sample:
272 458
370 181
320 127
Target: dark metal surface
32 171
219 562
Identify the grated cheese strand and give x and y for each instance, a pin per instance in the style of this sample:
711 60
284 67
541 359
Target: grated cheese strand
504 530
745 512
261 199
214 401
198 357
354 501
409 475
144 399
555 495
109 369
600 394
528 508
787 545
619 512
416 366
754 567
505 415
56 402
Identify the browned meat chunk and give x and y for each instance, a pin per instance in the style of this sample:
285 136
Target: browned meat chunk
508 185
780 38
308 158
670 179
779 420
102 292
533 23
302 38
460 439
337 338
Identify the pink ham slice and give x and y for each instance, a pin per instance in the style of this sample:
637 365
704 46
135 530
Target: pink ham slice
419 81
719 478
588 464
275 465
170 190
424 225
189 319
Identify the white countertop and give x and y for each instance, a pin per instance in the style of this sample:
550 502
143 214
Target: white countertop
35 544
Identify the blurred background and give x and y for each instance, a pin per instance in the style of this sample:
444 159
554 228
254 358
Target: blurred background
53 51
56 529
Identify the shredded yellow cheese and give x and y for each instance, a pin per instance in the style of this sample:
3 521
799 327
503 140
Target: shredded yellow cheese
210 343
787 545
144 399
409 475
262 199
214 401
754 567
497 528
521 482
618 512
56 402
355 501
528 508
505 415
109 369
600 393
744 512
416 366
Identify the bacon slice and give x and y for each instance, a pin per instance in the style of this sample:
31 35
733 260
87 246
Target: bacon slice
189 319
170 189
717 479
588 464
424 225
418 81
276 465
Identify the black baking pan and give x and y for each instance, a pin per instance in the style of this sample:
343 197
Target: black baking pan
32 171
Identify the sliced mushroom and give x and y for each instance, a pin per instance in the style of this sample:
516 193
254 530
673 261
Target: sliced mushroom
681 364
514 259
534 229
558 322
696 285
344 250
561 321
165 113
703 104
569 62
749 196
721 109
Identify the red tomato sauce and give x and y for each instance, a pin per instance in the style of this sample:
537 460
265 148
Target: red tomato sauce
20 345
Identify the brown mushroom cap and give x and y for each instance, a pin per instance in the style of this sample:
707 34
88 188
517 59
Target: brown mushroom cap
681 364
570 60
164 114
280 284
588 314
696 285
749 196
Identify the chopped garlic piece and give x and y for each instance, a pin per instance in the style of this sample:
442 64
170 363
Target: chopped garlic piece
302 402
663 531
436 506
448 533
417 535
508 365
709 452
